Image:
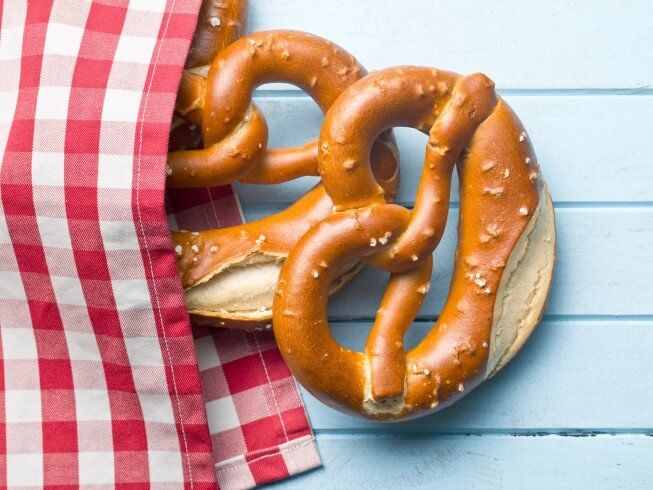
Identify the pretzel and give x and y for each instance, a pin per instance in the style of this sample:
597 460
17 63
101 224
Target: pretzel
503 264
229 274
219 23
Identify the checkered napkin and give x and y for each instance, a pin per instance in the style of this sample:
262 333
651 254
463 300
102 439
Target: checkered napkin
99 377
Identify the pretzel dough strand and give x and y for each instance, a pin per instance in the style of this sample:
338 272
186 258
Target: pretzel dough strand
467 123
219 23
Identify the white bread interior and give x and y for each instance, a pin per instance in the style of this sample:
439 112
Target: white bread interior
202 70
524 286
244 290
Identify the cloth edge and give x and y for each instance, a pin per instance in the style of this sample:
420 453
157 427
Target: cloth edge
299 455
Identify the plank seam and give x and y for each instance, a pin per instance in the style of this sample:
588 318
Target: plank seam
420 434
512 92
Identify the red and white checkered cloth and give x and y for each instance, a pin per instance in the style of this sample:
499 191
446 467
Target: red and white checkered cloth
99 378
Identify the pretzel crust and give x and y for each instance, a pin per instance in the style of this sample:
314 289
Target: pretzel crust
229 274
503 264
219 23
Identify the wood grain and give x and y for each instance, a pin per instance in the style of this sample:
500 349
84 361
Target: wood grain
472 462
549 44
568 378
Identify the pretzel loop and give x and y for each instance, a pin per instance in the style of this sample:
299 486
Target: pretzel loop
234 132
331 245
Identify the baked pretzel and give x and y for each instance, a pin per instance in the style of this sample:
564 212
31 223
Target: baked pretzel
503 264
230 274
219 23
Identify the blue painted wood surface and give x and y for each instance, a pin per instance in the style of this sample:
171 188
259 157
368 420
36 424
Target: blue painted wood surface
575 408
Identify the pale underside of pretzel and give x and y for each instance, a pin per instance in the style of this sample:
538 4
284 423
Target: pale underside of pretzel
229 274
503 265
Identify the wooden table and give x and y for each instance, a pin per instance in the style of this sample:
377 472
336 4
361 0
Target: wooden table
575 408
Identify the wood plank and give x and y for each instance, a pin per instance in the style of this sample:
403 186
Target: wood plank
469 462
604 266
570 376
574 138
548 44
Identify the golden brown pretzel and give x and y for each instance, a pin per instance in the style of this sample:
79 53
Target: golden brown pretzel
503 264
230 274
219 23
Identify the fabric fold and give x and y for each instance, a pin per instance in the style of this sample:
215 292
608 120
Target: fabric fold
99 379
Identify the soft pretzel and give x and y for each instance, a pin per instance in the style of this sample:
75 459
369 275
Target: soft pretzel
229 274
219 23
503 264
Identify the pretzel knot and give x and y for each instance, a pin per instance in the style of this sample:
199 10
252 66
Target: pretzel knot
503 264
